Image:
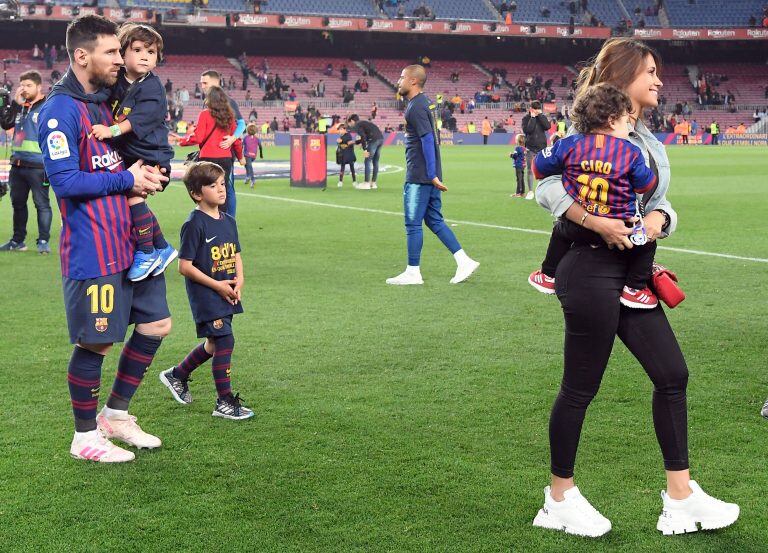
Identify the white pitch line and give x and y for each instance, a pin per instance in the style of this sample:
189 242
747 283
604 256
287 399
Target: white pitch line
485 225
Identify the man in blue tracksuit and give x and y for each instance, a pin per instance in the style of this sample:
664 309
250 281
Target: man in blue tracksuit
27 173
423 182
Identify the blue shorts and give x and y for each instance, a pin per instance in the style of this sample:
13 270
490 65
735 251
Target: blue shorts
99 310
217 327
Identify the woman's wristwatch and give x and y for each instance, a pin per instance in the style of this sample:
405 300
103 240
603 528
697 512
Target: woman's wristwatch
667 220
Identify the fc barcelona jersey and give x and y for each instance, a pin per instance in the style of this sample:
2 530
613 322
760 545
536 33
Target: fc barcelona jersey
90 182
601 172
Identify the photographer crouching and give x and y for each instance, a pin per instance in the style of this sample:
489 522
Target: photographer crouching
27 173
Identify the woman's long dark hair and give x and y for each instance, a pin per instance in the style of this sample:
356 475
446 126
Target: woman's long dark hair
619 62
218 105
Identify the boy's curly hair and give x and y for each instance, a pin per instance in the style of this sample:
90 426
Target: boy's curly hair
597 105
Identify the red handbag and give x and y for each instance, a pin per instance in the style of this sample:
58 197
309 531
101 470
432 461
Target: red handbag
664 283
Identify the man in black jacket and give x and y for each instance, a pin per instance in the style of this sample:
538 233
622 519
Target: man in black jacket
371 140
27 173
535 127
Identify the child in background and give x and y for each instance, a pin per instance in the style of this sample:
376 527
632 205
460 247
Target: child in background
604 172
213 269
518 156
345 154
139 108
251 145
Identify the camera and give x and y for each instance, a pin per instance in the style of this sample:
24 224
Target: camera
5 98
3 188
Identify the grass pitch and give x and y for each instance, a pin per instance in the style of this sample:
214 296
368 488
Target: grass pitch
388 418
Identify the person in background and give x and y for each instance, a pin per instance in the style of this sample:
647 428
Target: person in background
27 173
487 129
535 127
210 79
518 157
422 200
345 154
251 147
371 140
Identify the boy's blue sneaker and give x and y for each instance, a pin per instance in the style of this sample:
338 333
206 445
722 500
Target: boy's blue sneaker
143 265
167 254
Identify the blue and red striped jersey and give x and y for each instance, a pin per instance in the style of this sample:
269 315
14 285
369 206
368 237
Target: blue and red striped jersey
601 172
90 183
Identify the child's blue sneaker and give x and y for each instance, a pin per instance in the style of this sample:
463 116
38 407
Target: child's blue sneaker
143 265
167 254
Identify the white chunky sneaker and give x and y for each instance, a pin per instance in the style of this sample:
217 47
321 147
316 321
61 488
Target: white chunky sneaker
126 430
363 186
406 278
92 446
680 516
574 515
464 271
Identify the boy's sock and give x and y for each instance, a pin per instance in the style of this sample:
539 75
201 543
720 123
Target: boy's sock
222 361
194 359
142 218
157 235
136 357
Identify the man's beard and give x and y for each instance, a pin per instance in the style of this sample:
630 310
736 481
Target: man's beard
102 81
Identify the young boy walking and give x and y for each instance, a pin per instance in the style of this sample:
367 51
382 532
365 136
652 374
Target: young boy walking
210 261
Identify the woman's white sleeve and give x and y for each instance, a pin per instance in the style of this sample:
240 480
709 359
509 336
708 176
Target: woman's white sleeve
551 195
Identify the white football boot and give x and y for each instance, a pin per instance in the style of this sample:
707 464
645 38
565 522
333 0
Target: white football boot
465 266
126 430
92 446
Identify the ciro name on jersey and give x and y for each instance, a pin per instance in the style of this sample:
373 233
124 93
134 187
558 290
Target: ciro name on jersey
108 161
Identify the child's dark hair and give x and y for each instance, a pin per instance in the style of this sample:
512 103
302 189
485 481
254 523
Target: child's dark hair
131 32
597 105
199 174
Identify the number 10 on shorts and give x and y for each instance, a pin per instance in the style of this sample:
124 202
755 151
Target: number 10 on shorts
102 298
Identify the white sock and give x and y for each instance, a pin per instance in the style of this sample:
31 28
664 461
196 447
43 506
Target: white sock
86 435
412 270
114 413
461 257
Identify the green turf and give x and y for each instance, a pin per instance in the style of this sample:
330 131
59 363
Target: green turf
395 419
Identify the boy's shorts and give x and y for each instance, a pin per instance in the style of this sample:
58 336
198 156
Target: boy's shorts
217 327
99 310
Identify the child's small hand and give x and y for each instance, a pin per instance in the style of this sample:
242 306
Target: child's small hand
238 289
100 132
225 289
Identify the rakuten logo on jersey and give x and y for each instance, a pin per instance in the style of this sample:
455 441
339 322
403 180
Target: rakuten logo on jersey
109 161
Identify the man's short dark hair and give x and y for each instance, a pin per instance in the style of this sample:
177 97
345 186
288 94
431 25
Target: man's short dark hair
85 31
199 174
535 104
354 117
31 75
212 74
